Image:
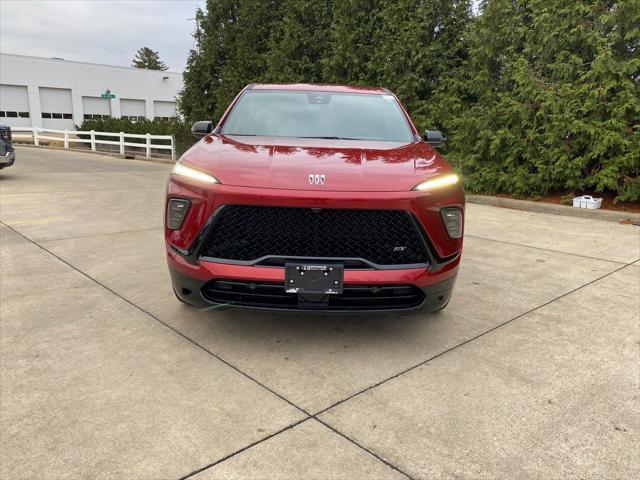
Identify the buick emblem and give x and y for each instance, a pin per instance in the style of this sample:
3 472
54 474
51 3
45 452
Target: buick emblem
316 179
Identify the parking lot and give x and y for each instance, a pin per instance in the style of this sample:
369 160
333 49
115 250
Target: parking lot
532 371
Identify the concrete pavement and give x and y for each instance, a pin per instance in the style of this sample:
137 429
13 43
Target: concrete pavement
532 371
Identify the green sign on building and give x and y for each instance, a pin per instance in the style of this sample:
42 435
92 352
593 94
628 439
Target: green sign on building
107 94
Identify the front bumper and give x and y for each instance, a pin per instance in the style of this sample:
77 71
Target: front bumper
432 297
191 274
8 159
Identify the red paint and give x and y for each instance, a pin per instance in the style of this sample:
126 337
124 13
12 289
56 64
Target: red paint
208 270
274 171
285 163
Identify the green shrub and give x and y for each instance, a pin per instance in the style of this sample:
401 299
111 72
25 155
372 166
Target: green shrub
180 131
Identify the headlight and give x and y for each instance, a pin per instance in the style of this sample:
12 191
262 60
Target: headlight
438 182
182 170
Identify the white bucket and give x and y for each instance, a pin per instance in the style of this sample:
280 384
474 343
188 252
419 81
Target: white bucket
587 201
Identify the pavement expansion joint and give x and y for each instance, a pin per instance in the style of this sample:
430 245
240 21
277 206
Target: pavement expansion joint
424 362
515 244
309 416
247 447
346 437
124 232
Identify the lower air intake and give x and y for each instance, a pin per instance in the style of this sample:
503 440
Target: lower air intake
273 295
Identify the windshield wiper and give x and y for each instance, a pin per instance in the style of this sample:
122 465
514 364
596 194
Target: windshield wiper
322 138
335 138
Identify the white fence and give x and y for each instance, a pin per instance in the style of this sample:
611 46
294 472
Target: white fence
68 137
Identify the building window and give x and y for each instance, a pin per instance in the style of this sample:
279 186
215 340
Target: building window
23 114
54 115
94 116
12 114
2 114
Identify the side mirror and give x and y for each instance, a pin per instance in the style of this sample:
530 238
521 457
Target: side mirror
434 137
201 129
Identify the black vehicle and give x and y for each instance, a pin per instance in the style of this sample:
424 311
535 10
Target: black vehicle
7 154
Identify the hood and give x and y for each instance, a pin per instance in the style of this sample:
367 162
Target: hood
347 165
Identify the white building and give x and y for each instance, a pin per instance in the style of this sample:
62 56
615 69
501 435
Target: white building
60 94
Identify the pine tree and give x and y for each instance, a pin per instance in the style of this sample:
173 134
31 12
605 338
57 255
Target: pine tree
535 96
547 103
417 46
244 31
149 59
202 75
300 41
194 102
352 46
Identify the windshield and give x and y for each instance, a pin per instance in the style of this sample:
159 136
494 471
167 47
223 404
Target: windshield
352 116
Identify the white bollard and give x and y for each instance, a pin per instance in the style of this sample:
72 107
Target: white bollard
66 139
93 140
148 145
36 140
121 143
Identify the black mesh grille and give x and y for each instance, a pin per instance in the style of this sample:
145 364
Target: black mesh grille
273 295
5 134
248 233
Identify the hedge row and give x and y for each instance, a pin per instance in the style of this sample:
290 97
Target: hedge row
180 130
536 96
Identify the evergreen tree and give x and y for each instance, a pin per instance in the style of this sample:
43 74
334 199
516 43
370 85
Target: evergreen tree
352 48
417 46
202 75
535 96
300 41
193 102
149 59
547 103
244 30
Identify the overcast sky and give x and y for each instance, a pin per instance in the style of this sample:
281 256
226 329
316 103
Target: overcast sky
99 31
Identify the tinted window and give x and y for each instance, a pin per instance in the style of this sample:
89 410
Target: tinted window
318 114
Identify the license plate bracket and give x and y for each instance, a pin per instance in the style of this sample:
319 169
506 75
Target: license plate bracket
309 277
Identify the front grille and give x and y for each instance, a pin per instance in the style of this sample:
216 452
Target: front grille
250 233
5 134
273 295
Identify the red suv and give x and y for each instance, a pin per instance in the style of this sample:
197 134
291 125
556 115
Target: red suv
314 197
